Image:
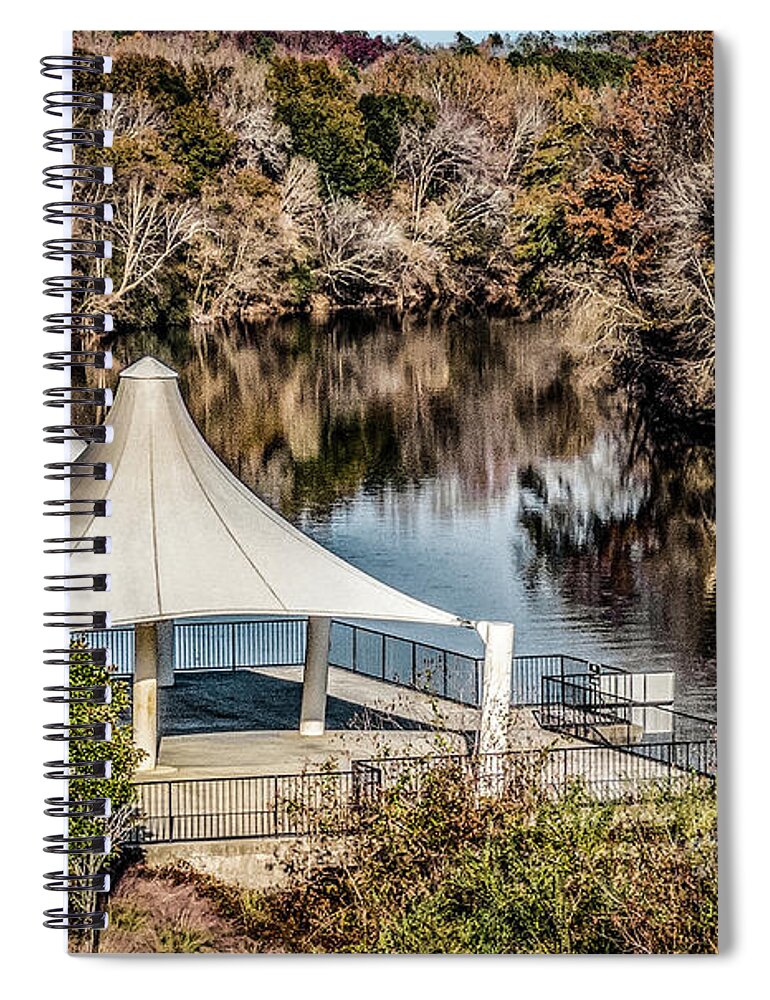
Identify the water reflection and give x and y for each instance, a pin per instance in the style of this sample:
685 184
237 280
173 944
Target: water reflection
467 463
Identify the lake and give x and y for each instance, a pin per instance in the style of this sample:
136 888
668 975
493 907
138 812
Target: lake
471 464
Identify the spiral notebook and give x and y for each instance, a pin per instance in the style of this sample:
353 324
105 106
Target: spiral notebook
385 551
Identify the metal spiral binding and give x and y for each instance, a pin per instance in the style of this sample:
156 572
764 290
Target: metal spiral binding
60 361
76 173
78 885
76 284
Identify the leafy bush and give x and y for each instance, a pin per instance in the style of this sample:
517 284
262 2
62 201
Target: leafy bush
446 871
120 750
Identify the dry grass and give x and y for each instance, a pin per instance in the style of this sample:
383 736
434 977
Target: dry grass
163 912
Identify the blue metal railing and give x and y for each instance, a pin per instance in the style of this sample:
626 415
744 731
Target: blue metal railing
214 645
230 645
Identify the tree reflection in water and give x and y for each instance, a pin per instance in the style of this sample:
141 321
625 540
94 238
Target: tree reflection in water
469 463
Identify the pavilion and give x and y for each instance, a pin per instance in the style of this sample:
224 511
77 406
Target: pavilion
189 539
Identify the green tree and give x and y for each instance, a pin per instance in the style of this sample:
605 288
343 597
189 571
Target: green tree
585 66
151 77
464 45
385 114
198 143
540 211
317 102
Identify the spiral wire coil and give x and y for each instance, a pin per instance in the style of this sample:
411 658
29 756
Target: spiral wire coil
73 882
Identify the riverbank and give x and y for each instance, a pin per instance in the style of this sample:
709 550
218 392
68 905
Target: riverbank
264 174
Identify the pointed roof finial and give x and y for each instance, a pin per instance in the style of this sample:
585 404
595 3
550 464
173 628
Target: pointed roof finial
148 367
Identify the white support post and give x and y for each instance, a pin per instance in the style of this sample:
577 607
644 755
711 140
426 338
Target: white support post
496 694
145 707
165 652
316 677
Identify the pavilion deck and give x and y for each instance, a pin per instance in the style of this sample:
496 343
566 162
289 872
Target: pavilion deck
220 725
232 766
245 723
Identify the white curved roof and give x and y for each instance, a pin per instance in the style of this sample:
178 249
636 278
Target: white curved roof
189 539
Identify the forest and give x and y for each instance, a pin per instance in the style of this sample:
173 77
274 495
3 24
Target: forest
265 173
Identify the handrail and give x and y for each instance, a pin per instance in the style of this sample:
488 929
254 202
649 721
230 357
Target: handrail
270 805
406 638
613 699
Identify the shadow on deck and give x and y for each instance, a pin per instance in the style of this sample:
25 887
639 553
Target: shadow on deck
217 723
246 700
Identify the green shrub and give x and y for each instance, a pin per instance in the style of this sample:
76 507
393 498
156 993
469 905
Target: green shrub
198 143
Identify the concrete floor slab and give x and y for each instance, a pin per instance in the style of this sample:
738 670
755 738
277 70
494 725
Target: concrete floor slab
245 722
206 755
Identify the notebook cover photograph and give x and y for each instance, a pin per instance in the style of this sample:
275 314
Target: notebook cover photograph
393 406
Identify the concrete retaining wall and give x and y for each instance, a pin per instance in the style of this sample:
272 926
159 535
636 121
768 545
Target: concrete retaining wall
249 864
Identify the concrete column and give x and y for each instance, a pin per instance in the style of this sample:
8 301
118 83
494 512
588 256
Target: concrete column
145 708
312 720
496 694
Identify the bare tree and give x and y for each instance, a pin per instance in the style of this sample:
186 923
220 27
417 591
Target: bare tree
263 143
356 251
300 201
147 231
428 161
532 114
131 116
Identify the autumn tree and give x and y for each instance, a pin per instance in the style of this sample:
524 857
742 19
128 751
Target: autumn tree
643 211
259 172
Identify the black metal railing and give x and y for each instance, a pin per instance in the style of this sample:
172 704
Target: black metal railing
541 682
603 772
240 808
529 671
579 707
407 662
582 708
236 808
235 645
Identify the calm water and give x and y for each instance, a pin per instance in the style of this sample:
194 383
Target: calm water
468 464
